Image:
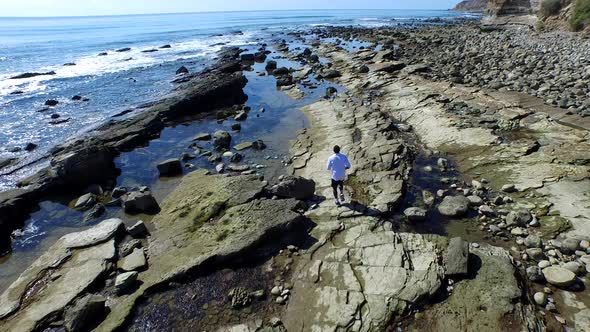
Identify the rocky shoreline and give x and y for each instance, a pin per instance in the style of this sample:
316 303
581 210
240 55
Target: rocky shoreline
510 154
88 161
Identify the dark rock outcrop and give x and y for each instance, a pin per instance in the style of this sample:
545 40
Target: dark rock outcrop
84 311
294 187
29 75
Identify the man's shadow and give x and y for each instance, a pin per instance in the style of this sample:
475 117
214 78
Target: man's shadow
352 205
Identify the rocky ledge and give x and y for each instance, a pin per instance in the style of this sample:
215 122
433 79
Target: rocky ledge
207 221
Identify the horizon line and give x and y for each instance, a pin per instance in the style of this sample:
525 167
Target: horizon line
218 11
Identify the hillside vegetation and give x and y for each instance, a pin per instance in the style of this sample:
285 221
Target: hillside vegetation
580 18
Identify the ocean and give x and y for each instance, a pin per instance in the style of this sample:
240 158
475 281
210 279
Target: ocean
112 83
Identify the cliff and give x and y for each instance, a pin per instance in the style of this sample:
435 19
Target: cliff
471 6
512 7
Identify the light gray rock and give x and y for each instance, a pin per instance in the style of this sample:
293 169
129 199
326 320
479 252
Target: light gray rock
243 146
533 241
125 281
575 267
475 200
519 231
134 261
569 246
454 206
456 257
415 214
544 263
102 232
486 210
84 311
540 298
559 276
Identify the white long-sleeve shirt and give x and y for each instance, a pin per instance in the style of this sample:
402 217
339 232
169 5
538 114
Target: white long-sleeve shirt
338 163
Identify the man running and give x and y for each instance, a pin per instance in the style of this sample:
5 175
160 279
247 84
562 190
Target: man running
338 164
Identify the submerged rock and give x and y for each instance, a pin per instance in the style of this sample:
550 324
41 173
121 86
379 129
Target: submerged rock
170 167
202 137
221 140
51 102
182 70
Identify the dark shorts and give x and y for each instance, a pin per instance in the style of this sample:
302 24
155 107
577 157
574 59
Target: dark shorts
336 184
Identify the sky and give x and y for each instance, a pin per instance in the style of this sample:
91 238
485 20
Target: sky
28 8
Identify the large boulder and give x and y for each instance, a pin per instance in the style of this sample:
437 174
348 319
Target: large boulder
84 311
139 202
559 276
454 206
294 187
170 167
221 140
